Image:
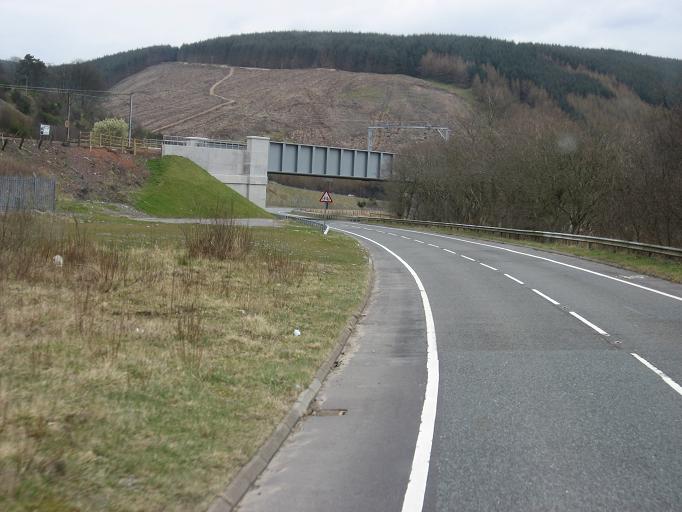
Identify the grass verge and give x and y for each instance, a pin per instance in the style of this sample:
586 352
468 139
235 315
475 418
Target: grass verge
178 187
283 195
145 370
655 266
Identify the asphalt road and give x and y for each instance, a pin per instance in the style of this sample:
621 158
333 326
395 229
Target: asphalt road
555 388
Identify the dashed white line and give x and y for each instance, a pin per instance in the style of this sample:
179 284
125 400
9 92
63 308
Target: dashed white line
416 486
419 241
543 258
448 250
405 237
467 257
514 279
589 324
433 245
392 234
658 372
546 297
488 266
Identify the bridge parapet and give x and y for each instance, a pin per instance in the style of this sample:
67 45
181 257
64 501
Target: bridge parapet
329 161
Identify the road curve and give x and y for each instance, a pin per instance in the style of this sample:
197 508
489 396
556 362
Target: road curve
558 388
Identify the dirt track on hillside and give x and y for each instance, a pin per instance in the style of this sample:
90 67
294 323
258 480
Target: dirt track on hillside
319 106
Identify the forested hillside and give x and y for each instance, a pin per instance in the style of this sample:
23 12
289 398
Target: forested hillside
114 68
557 69
562 72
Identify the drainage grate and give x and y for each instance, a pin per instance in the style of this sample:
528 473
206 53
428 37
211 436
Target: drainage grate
329 412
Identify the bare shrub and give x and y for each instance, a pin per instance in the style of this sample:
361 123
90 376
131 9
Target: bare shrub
113 267
189 337
221 240
281 265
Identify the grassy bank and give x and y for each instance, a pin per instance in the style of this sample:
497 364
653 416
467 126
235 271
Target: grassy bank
664 268
283 195
145 370
178 187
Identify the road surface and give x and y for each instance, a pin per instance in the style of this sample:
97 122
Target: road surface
487 376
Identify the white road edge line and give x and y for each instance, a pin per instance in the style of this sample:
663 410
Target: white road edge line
448 250
589 324
658 372
467 257
488 266
546 297
416 487
514 279
575 267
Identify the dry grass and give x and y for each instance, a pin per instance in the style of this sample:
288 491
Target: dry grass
311 105
221 239
141 375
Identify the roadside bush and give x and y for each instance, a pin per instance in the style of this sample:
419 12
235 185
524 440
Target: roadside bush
111 127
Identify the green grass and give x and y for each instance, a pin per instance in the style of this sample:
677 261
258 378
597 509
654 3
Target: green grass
665 268
178 187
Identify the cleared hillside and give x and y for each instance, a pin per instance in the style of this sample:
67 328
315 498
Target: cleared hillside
320 106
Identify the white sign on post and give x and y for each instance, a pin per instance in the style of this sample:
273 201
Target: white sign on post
45 130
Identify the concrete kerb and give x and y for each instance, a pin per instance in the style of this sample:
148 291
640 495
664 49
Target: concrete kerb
242 482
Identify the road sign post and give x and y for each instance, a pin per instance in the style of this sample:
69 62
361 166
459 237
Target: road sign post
326 199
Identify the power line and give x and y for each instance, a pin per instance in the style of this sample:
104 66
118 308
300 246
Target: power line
63 90
79 92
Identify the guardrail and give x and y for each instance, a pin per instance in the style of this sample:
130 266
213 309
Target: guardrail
346 212
303 220
543 236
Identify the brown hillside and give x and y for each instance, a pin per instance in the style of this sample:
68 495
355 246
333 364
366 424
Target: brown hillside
81 173
320 106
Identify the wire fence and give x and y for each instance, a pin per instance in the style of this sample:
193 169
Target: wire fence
27 193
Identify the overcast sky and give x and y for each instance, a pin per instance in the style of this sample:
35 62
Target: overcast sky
59 31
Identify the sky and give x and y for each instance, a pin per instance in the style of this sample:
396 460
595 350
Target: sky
60 31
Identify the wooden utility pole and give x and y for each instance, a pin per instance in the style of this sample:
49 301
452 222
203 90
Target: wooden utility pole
68 119
130 120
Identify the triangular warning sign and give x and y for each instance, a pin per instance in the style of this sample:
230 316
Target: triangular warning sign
326 198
